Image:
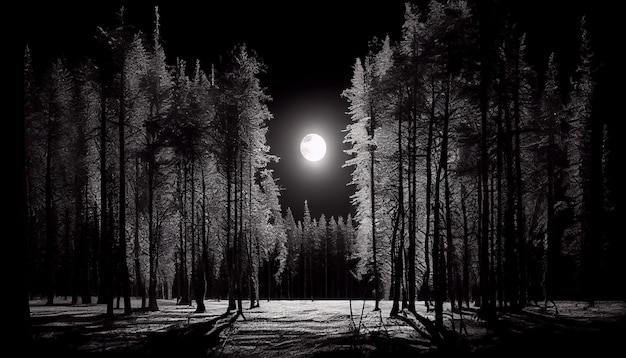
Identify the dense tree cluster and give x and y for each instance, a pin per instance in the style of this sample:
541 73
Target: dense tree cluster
150 179
479 176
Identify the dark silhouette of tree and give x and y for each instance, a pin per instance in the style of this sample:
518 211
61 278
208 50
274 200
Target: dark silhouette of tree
55 101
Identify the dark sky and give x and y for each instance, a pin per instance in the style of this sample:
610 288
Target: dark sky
308 47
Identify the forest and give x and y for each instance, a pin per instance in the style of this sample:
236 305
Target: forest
484 178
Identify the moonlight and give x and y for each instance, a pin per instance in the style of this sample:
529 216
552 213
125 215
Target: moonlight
313 147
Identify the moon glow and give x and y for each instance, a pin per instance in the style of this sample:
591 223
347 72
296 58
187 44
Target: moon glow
313 147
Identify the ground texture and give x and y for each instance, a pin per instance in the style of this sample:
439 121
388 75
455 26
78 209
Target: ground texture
319 329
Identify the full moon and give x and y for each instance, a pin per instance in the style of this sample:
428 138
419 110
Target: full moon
313 147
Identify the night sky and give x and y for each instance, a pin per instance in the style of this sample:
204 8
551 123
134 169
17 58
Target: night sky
309 49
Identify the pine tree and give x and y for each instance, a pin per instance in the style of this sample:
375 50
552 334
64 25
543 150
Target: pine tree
293 246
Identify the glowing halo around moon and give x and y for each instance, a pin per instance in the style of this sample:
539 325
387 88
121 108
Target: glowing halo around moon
313 147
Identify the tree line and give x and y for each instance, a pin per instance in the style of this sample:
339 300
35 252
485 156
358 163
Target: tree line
480 177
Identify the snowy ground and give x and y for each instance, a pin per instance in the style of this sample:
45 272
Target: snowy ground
305 328
302 328
85 328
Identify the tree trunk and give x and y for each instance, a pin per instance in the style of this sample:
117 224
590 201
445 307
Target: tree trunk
125 280
86 253
510 243
492 245
520 227
229 253
444 165
500 137
205 235
21 330
412 194
237 238
70 279
485 40
186 289
198 264
80 180
141 290
396 262
554 243
50 220
106 255
438 266
269 280
152 239
466 249
373 208
429 148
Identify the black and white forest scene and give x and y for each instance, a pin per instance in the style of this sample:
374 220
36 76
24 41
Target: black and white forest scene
316 179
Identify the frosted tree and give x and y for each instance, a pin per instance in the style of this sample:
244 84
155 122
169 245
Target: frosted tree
240 130
364 109
277 255
293 238
137 61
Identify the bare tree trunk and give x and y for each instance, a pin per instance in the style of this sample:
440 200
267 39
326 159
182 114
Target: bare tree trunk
125 280
500 137
412 194
466 249
554 243
269 280
183 283
205 235
237 237
438 266
50 220
136 251
192 283
106 264
444 165
198 278
186 291
520 227
429 149
485 35
80 181
152 239
373 209
492 245
229 253
396 262
21 329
